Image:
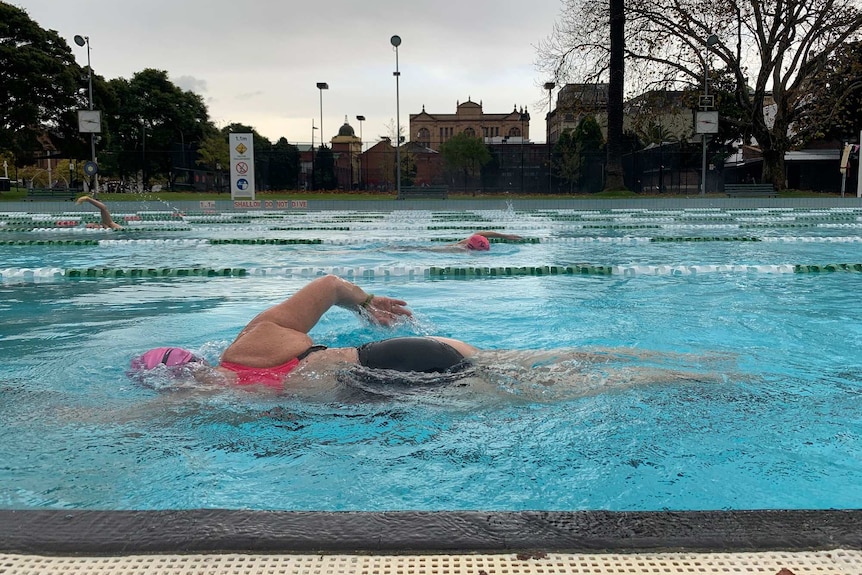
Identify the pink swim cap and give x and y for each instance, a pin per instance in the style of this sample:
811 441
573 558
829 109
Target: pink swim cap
478 243
169 356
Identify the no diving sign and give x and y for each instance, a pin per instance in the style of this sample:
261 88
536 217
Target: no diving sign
241 165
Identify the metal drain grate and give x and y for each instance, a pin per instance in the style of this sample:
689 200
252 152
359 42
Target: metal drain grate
836 562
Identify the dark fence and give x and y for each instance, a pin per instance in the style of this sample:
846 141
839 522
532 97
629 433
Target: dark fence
513 168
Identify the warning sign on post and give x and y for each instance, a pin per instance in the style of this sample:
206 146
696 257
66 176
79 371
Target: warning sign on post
241 166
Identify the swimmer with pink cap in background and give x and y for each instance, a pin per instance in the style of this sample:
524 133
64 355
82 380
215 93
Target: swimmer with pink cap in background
479 241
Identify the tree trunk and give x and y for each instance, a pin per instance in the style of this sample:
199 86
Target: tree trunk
773 143
614 179
773 168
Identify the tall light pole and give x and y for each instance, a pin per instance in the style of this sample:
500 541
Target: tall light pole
549 86
321 86
396 41
313 128
82 41
361 119
705 125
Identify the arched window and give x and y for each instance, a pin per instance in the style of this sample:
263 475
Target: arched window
470 132
424 136
514 132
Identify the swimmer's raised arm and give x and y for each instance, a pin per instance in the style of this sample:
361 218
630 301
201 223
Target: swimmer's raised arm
107 220
302 310
490 234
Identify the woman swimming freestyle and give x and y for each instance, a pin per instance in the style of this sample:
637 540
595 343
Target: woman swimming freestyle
276 341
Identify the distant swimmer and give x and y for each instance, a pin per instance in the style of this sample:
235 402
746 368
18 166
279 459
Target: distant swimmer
107 220
479 241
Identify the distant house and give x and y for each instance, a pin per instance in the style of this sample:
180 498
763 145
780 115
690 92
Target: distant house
574 102
378 166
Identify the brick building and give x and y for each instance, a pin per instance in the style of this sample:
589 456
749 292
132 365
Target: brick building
347 149
431 130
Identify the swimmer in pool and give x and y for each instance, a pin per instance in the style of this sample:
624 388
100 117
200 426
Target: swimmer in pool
479 241
276 341
107 220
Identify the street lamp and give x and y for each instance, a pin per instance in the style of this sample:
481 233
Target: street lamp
549 86
143 156
711 41
321 86
361 119
313 128
82 41
525 117
396 41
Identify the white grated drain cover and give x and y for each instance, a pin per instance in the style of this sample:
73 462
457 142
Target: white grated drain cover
836 562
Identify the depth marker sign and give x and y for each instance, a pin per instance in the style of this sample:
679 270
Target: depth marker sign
241 166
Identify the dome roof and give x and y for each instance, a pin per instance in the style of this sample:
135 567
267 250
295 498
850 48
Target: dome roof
346 130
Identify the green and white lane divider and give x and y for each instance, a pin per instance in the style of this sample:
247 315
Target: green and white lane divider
53 274
372 240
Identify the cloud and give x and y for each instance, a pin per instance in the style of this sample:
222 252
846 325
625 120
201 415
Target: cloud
191 84
250 95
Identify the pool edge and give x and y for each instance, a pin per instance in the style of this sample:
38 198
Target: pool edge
217 531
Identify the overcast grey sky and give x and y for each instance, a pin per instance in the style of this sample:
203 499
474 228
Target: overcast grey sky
258 62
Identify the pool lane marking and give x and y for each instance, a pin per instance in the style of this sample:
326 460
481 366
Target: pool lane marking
356 241
433 272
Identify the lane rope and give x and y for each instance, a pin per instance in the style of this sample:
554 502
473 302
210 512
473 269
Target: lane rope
432 272
369 240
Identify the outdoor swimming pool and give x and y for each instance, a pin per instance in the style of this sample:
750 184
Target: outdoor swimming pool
743 303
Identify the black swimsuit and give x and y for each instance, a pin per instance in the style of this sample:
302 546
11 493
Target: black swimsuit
417 354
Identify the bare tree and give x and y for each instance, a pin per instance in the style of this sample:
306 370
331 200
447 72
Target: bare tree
614 179
773 48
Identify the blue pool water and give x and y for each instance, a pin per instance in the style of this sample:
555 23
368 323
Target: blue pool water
739 384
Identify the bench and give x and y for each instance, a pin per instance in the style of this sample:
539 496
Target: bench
750 190
50 194
441 192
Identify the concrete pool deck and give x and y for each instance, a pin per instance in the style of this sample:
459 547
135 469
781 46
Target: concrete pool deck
530 542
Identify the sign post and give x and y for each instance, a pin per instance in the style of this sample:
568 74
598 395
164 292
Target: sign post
241 166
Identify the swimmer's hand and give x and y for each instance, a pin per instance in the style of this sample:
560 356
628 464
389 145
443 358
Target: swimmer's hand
385 311
82 199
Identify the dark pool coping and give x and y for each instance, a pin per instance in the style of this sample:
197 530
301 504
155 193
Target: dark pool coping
50 532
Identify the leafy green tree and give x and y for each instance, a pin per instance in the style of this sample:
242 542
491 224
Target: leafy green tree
466 154
832 110
284 166
155 124
578 152
324 169
39 80
567 159
213 151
